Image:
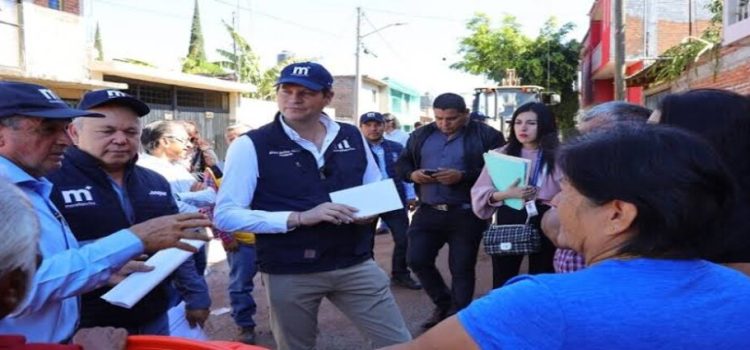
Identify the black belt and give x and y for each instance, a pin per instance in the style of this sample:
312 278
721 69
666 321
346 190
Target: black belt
449 207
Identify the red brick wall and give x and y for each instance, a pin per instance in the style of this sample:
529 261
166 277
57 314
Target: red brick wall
672 33
735 79
70 6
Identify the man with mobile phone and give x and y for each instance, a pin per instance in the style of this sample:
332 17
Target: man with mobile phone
444 159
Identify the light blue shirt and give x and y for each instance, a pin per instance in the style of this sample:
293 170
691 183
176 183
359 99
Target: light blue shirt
233 212
377 148
50 312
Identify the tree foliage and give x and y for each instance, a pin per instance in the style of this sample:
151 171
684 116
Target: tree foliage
195 62
489 51
243 61
98 44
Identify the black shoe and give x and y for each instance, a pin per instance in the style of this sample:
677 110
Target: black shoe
247 335
406 282
438 315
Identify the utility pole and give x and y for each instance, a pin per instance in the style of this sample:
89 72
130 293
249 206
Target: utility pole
357 74
619 50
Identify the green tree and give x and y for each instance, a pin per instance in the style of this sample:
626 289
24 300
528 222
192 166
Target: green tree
196 62
548 60
243 61
98 44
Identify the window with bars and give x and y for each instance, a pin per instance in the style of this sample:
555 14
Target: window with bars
170 95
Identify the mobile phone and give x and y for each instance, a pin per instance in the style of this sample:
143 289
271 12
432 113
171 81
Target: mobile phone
429 172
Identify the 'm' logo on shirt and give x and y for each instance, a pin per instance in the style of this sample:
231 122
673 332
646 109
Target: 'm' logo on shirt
79 197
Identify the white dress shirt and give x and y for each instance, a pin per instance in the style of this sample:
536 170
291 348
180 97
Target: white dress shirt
233 213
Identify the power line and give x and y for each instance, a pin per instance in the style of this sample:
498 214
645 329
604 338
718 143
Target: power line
380 34
282 20
409 15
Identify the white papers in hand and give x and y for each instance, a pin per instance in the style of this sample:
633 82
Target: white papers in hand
134 287
371 199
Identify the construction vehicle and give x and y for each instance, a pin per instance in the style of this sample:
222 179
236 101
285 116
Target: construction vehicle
499 102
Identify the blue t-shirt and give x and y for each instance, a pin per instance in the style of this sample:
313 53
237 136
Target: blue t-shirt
617 304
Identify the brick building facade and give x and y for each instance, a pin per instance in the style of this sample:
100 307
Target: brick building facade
726 68
69 6
651 27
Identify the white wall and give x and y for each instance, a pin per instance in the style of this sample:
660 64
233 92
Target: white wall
9 34
55 44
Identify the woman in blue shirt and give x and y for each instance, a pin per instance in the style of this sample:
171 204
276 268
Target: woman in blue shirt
643 205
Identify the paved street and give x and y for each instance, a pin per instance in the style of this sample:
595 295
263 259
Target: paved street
336 332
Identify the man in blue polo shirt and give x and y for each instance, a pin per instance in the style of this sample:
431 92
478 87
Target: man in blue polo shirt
386 152
33 137
276 183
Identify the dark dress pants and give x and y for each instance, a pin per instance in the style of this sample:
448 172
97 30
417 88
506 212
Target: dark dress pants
398 222
431 229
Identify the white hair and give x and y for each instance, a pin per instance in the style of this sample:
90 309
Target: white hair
19 232
241 128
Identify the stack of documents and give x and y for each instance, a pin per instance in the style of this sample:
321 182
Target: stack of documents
504 170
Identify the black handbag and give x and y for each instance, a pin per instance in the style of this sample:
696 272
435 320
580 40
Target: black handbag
518 239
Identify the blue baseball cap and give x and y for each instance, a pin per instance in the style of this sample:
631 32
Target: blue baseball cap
98 98
30 100
371 117
308 74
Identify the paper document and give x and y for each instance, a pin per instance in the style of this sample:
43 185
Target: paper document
371 199
134 287
505 170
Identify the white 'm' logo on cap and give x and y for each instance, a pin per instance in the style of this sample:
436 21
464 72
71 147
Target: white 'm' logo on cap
301 71
115 93
48 94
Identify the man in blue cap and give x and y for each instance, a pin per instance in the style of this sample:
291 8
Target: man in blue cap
276 183
386 152
101 168
33 138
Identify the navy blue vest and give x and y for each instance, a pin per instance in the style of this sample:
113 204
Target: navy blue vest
85 197
391 151
289 180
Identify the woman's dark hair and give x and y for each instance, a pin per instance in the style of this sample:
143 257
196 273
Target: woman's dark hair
680 187
723 119
155 131
546 133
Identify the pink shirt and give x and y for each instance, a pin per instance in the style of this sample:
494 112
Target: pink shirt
483 188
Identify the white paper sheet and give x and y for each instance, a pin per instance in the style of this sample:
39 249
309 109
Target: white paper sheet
134 287
371 199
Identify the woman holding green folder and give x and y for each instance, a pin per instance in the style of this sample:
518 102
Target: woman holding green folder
533 136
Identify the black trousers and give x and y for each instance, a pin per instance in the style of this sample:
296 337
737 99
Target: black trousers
507 267
398 223
430 230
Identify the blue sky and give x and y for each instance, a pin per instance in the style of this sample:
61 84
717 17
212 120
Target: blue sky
417 53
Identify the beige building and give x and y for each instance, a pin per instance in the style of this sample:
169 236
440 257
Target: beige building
45 42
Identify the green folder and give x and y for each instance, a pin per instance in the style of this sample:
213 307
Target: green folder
504 170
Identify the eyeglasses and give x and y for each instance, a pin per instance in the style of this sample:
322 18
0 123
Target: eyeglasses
179 139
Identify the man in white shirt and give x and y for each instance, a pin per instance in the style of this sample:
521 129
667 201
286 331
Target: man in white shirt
276 184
